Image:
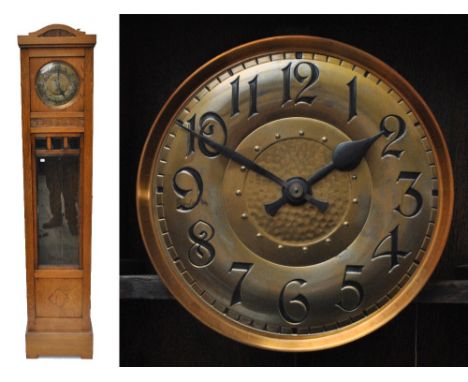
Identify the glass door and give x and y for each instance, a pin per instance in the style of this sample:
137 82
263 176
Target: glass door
58 168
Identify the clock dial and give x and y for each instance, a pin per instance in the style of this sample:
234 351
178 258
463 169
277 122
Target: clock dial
57 83
293 195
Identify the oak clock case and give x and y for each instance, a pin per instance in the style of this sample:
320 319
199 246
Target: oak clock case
295 193
56 82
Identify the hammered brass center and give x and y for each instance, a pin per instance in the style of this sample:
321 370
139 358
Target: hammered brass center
295 225
298 235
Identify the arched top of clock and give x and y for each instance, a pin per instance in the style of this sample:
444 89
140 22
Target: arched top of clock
54 34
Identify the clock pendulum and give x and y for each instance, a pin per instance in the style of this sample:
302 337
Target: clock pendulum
295 193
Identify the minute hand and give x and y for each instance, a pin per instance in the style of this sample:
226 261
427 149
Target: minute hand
346 157
235 156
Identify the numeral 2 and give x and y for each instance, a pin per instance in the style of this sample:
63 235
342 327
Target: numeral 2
400 132
352 85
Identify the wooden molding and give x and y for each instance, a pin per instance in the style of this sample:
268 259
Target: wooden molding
54 30
59 344
58 35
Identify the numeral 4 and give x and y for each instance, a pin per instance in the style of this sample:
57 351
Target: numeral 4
393 253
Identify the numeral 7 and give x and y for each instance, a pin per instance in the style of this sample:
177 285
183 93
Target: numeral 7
241 269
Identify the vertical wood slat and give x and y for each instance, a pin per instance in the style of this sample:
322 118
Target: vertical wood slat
28 186
86 178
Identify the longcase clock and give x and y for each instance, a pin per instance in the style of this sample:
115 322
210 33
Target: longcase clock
57 112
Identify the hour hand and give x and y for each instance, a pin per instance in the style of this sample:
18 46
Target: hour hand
348 155
345 157
235 156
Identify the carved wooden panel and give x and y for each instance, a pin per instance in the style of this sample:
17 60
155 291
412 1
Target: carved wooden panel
58 298
57 122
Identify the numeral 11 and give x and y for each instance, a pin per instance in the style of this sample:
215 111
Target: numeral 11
235 108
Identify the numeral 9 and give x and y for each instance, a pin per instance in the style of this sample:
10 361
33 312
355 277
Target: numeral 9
188 185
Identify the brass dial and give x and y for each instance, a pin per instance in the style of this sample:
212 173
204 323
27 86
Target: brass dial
57 83
291 198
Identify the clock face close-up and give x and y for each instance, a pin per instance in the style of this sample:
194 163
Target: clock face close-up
294 193
57 83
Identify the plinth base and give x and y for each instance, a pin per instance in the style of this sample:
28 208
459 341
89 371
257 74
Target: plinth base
78 344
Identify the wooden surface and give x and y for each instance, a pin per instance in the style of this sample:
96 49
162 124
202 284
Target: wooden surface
57 35
78 344
162 333
59 321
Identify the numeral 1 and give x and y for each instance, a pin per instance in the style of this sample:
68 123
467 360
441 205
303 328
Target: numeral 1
352 85
286 83
235 97
191 137
253 96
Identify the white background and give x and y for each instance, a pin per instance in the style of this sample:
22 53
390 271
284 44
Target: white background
102 18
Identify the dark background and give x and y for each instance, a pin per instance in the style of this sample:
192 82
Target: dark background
158 52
